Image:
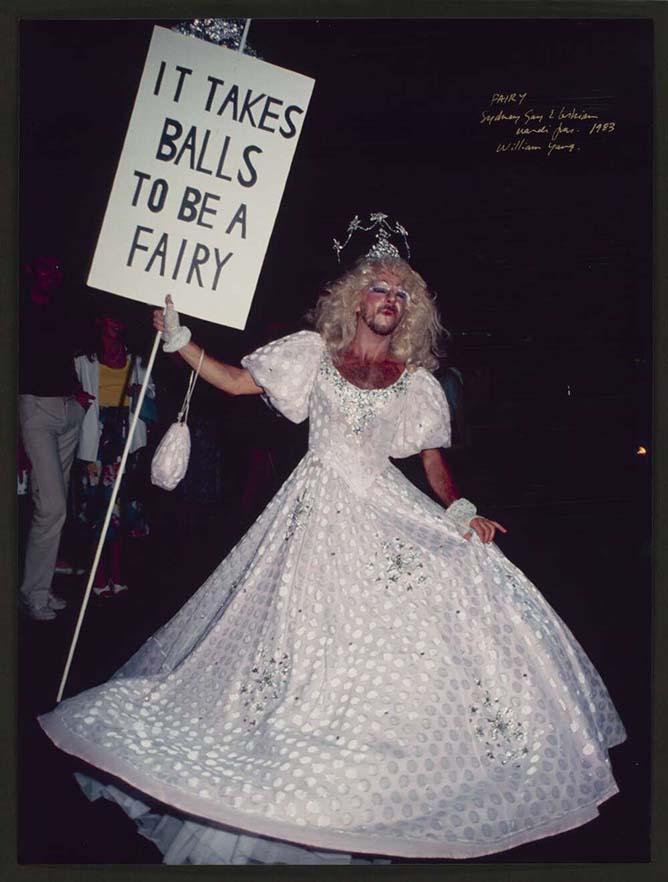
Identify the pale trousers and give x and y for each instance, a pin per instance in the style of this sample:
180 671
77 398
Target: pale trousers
50 429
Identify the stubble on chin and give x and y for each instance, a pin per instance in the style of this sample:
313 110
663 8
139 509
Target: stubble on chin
376 324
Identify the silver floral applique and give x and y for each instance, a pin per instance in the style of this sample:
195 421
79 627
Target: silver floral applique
360 406
297 515
503 737
398 563
268 677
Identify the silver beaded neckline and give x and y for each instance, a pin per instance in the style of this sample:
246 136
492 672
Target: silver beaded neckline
359 406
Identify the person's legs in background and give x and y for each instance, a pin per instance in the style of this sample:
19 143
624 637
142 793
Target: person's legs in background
50 431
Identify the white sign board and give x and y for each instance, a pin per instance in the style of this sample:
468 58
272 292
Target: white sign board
200 178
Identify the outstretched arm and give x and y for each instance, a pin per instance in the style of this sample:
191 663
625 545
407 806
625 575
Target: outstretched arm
442 483
231 379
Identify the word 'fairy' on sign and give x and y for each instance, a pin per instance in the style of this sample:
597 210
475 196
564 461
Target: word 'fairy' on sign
200 178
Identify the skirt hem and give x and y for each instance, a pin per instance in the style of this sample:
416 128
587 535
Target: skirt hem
203 810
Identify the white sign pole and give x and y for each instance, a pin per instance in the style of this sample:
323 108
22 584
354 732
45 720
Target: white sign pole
107 520
242 44
117 482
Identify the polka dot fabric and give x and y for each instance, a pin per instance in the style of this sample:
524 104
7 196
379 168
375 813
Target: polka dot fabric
355 675
286 370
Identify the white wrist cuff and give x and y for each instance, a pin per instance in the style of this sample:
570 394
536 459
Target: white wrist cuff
461 512
177 340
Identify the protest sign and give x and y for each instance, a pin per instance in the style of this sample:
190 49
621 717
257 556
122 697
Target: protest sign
200 178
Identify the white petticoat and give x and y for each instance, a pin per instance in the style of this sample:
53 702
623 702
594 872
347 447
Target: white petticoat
183 841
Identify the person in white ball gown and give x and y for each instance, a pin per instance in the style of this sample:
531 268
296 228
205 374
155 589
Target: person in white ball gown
365 675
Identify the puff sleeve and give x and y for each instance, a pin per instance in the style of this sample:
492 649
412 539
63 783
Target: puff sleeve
286 370
425 420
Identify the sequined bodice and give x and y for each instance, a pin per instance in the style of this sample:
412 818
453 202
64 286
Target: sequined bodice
353 428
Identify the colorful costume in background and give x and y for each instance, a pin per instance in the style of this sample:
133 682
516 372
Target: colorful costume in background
103 435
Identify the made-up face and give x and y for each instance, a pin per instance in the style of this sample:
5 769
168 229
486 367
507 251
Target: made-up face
383 303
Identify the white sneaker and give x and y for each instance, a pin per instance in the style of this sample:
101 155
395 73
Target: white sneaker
102 590
55 602
118 588
39 613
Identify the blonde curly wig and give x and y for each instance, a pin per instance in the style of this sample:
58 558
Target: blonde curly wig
416 340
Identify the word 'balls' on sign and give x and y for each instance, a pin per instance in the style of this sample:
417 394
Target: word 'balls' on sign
200 178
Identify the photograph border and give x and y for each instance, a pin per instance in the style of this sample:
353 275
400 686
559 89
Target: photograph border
13 13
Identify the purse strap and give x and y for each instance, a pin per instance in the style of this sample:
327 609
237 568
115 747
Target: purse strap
185 407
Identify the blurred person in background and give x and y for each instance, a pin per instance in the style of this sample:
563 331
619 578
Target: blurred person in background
111 375
51 409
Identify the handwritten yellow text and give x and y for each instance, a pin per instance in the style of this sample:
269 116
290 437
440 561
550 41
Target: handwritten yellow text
500 116
508 97
536 126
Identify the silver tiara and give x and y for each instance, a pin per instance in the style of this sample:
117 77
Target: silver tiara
382 246
226 32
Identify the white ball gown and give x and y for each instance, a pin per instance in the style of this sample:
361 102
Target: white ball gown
355 678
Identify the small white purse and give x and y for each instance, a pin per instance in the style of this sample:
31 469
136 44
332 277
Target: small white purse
170 460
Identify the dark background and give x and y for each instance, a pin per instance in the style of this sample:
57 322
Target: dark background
543 267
